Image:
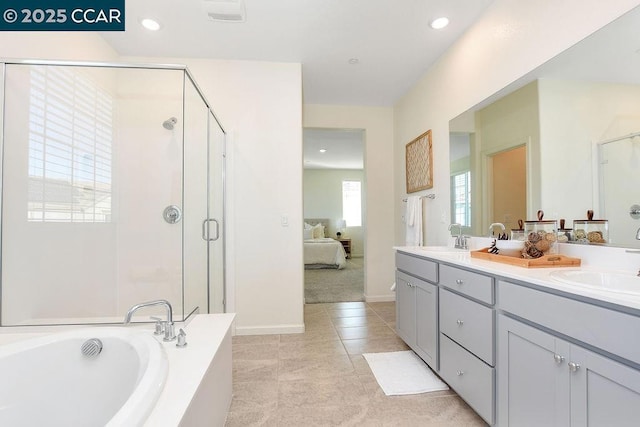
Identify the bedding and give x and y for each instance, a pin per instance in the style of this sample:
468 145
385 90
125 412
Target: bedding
321 251
324 252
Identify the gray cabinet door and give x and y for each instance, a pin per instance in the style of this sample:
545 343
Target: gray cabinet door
603 392
405 308
427 323
533 377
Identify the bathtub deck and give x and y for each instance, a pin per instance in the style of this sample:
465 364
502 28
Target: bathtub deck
199 386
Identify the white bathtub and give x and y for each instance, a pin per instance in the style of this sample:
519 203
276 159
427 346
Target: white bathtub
48 381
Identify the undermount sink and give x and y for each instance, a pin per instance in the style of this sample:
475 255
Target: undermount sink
606 281
442 249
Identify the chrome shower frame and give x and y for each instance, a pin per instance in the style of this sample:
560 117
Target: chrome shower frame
124 65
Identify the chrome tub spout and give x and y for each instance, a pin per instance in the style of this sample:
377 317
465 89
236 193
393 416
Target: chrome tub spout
167 326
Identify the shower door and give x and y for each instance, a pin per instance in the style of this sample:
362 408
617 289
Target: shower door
216 225
104 193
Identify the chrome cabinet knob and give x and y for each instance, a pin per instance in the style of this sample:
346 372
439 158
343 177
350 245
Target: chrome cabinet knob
459 282
558 359
459 373
460 322
573 367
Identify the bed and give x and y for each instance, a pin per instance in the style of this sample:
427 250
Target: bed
321 251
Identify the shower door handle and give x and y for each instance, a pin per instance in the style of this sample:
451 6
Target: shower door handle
205 230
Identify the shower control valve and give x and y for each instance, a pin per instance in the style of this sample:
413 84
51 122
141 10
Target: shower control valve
172 214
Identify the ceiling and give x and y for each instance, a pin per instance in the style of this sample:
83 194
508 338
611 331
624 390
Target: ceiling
391 40
344 148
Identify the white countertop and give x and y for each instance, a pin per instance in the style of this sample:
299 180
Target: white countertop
540 276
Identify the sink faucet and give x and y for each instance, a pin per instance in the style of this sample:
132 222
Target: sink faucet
461 241
167 326
495 224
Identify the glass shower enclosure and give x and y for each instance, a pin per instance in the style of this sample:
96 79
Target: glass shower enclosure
112 193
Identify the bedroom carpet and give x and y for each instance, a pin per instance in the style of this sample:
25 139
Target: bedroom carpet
331 285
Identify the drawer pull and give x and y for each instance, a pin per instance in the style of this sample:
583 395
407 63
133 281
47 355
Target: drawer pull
460 322
459 282
459 373
559 359
573 367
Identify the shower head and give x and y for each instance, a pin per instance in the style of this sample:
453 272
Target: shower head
169 123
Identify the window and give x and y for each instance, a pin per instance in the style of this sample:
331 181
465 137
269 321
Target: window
70 134
461 200
352 203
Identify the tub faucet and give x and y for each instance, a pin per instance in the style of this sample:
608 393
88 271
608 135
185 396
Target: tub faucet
168 327
495 224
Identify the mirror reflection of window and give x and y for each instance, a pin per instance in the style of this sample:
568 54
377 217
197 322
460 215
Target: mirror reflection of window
461 199
460 181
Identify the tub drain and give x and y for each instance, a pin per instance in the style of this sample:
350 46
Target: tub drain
91 347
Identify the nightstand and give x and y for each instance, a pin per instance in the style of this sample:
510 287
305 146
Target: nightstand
346 244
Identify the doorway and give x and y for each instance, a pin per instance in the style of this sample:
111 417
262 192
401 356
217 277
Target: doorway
508 178
334 188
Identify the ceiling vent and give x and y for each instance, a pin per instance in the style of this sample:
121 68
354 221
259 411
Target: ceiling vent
224 10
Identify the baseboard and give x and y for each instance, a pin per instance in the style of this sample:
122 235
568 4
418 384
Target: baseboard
380 298
269 330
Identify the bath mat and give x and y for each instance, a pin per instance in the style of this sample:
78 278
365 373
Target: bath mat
403 372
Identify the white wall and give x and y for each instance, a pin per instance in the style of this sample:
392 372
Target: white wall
323 199
508 40
379 198
77 46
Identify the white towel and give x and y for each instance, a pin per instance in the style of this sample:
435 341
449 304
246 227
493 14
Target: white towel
413 219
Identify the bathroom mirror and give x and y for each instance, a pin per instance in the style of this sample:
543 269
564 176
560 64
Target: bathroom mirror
569 126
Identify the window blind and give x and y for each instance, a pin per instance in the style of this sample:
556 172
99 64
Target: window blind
70 147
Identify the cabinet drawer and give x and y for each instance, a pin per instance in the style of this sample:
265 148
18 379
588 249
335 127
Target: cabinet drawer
419 267
475 285
472 379
600 327
469 324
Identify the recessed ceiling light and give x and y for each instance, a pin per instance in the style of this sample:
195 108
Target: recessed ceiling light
150 24
323 150
354 61
439 23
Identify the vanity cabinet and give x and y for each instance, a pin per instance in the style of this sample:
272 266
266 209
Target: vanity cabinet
520 353
467 343
547 381
564 362
417 306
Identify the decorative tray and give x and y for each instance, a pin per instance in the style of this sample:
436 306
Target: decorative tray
555 260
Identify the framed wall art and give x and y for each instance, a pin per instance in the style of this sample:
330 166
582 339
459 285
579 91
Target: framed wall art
419 159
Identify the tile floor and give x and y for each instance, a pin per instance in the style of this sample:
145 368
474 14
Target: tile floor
320 378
